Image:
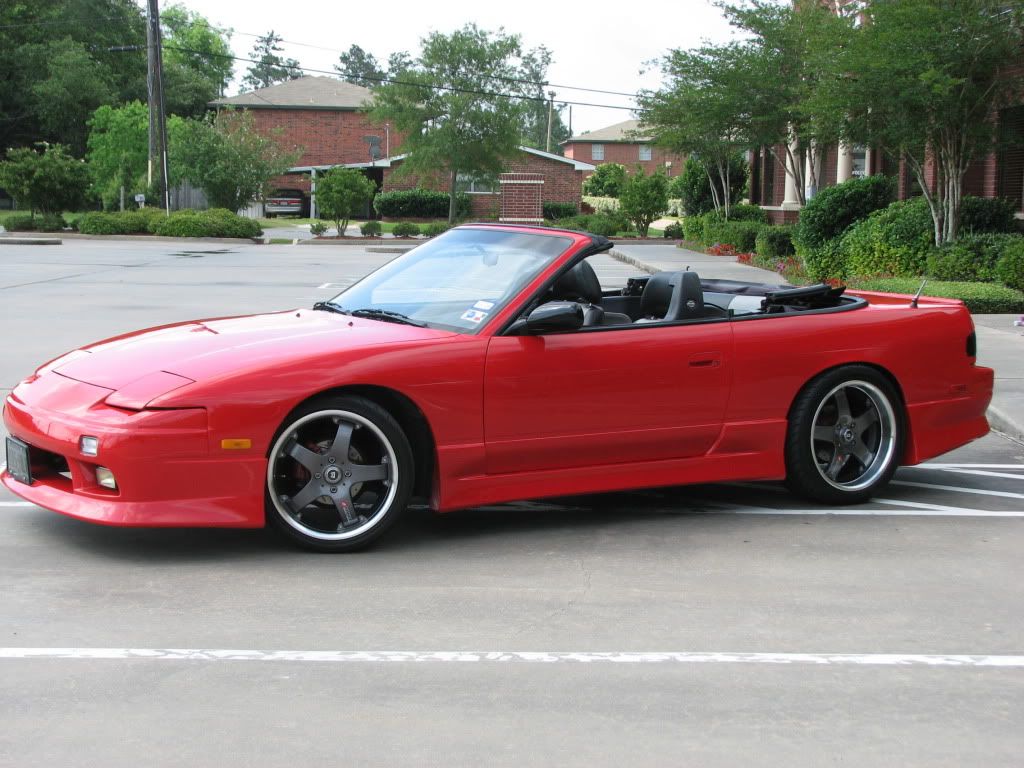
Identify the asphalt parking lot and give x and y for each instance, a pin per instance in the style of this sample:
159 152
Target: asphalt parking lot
717 625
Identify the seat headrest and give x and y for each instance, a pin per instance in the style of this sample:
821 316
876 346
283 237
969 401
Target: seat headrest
579 283
673 296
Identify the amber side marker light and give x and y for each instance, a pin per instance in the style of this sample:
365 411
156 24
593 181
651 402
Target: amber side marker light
235 443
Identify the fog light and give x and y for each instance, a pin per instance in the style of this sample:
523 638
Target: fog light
89 446
106 478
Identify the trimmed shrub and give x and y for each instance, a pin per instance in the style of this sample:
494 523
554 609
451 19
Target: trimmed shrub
405 229
20 223
972 257
674 231
775 241
370 229
1010 267
140 221
317 228
981 298
596 224
594 204
435 228
419 204
740 212
893 241
826 262
51 222
741 235
217 222
693 228
985 214
555 211
830 212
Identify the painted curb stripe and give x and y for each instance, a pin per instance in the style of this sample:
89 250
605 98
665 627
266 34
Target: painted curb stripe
527 657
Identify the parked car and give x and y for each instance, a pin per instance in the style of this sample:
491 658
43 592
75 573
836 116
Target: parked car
287 202
488 365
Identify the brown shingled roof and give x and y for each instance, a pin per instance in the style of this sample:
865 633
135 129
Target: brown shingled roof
302 93
619 132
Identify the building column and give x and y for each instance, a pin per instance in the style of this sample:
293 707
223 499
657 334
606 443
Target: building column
792 196
844 163
312 193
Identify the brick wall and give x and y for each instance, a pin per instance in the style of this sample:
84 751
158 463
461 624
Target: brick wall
628 154
521 198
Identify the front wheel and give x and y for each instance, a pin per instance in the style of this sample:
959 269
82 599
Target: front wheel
845 436
339 473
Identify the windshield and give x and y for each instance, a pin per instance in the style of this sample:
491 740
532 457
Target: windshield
455 281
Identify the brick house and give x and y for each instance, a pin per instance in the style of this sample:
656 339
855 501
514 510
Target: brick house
623 143
324 117
558 179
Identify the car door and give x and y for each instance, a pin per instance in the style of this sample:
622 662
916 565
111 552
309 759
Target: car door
611 395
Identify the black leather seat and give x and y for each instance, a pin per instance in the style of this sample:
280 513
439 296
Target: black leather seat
671 297
581 284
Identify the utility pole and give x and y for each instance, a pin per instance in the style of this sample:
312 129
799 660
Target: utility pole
551 109
157 109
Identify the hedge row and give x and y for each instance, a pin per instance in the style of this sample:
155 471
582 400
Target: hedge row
216 222
420 204
47 222
981 298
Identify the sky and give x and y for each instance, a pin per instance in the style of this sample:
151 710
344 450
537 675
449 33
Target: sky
600 45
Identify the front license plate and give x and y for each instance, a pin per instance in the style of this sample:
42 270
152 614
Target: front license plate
18 462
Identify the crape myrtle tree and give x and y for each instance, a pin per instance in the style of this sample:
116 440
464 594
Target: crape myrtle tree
644 198
704 110
922 79
460 104
48 180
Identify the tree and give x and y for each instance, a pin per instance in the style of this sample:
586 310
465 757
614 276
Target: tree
606 181
693 185
228 159
644 199
269 68
49 181
359 67
704 110
449 101
341 193
198 62
536 111
922 78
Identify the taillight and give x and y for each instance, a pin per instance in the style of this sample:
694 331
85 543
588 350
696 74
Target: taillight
972 344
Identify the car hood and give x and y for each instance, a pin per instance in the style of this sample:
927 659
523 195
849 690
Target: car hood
203 349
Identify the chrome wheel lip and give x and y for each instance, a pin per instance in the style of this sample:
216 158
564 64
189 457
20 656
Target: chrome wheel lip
886 449
392 486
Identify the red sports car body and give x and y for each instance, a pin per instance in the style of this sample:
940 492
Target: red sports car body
520 393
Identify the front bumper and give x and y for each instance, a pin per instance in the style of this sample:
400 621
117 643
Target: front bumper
167 476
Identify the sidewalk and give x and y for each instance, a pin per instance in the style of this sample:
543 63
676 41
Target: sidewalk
1000 343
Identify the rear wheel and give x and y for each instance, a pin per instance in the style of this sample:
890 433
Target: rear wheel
339 473
845 436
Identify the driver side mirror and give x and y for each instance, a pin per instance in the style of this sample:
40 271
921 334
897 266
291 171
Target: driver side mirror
550 318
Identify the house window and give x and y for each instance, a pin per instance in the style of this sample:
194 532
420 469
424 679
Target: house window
860 162
597 151
475 185
645 152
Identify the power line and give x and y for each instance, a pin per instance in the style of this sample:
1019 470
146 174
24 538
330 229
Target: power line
385 79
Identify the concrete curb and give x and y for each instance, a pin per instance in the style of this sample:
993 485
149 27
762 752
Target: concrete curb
148 238
31 240
1005 424
632 261
999 420
362 241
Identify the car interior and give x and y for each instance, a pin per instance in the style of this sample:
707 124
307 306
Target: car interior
674 297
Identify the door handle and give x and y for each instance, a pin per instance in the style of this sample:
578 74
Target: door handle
706 360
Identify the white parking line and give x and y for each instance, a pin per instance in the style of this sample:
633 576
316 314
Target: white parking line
960 489
16 504
940 465
981 473
528 657
913 509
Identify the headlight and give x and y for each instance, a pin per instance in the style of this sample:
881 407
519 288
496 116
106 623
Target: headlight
139 393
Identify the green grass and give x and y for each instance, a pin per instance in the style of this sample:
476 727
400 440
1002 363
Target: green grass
278 222
281 240
980 298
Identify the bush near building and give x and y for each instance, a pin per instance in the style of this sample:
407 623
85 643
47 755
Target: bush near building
419 204
216 222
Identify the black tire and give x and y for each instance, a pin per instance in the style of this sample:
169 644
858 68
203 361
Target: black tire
339 473
845 437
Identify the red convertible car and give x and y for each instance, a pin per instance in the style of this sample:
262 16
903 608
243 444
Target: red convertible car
484 366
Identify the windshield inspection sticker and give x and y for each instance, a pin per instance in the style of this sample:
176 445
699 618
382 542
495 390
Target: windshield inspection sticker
484 305
474 316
